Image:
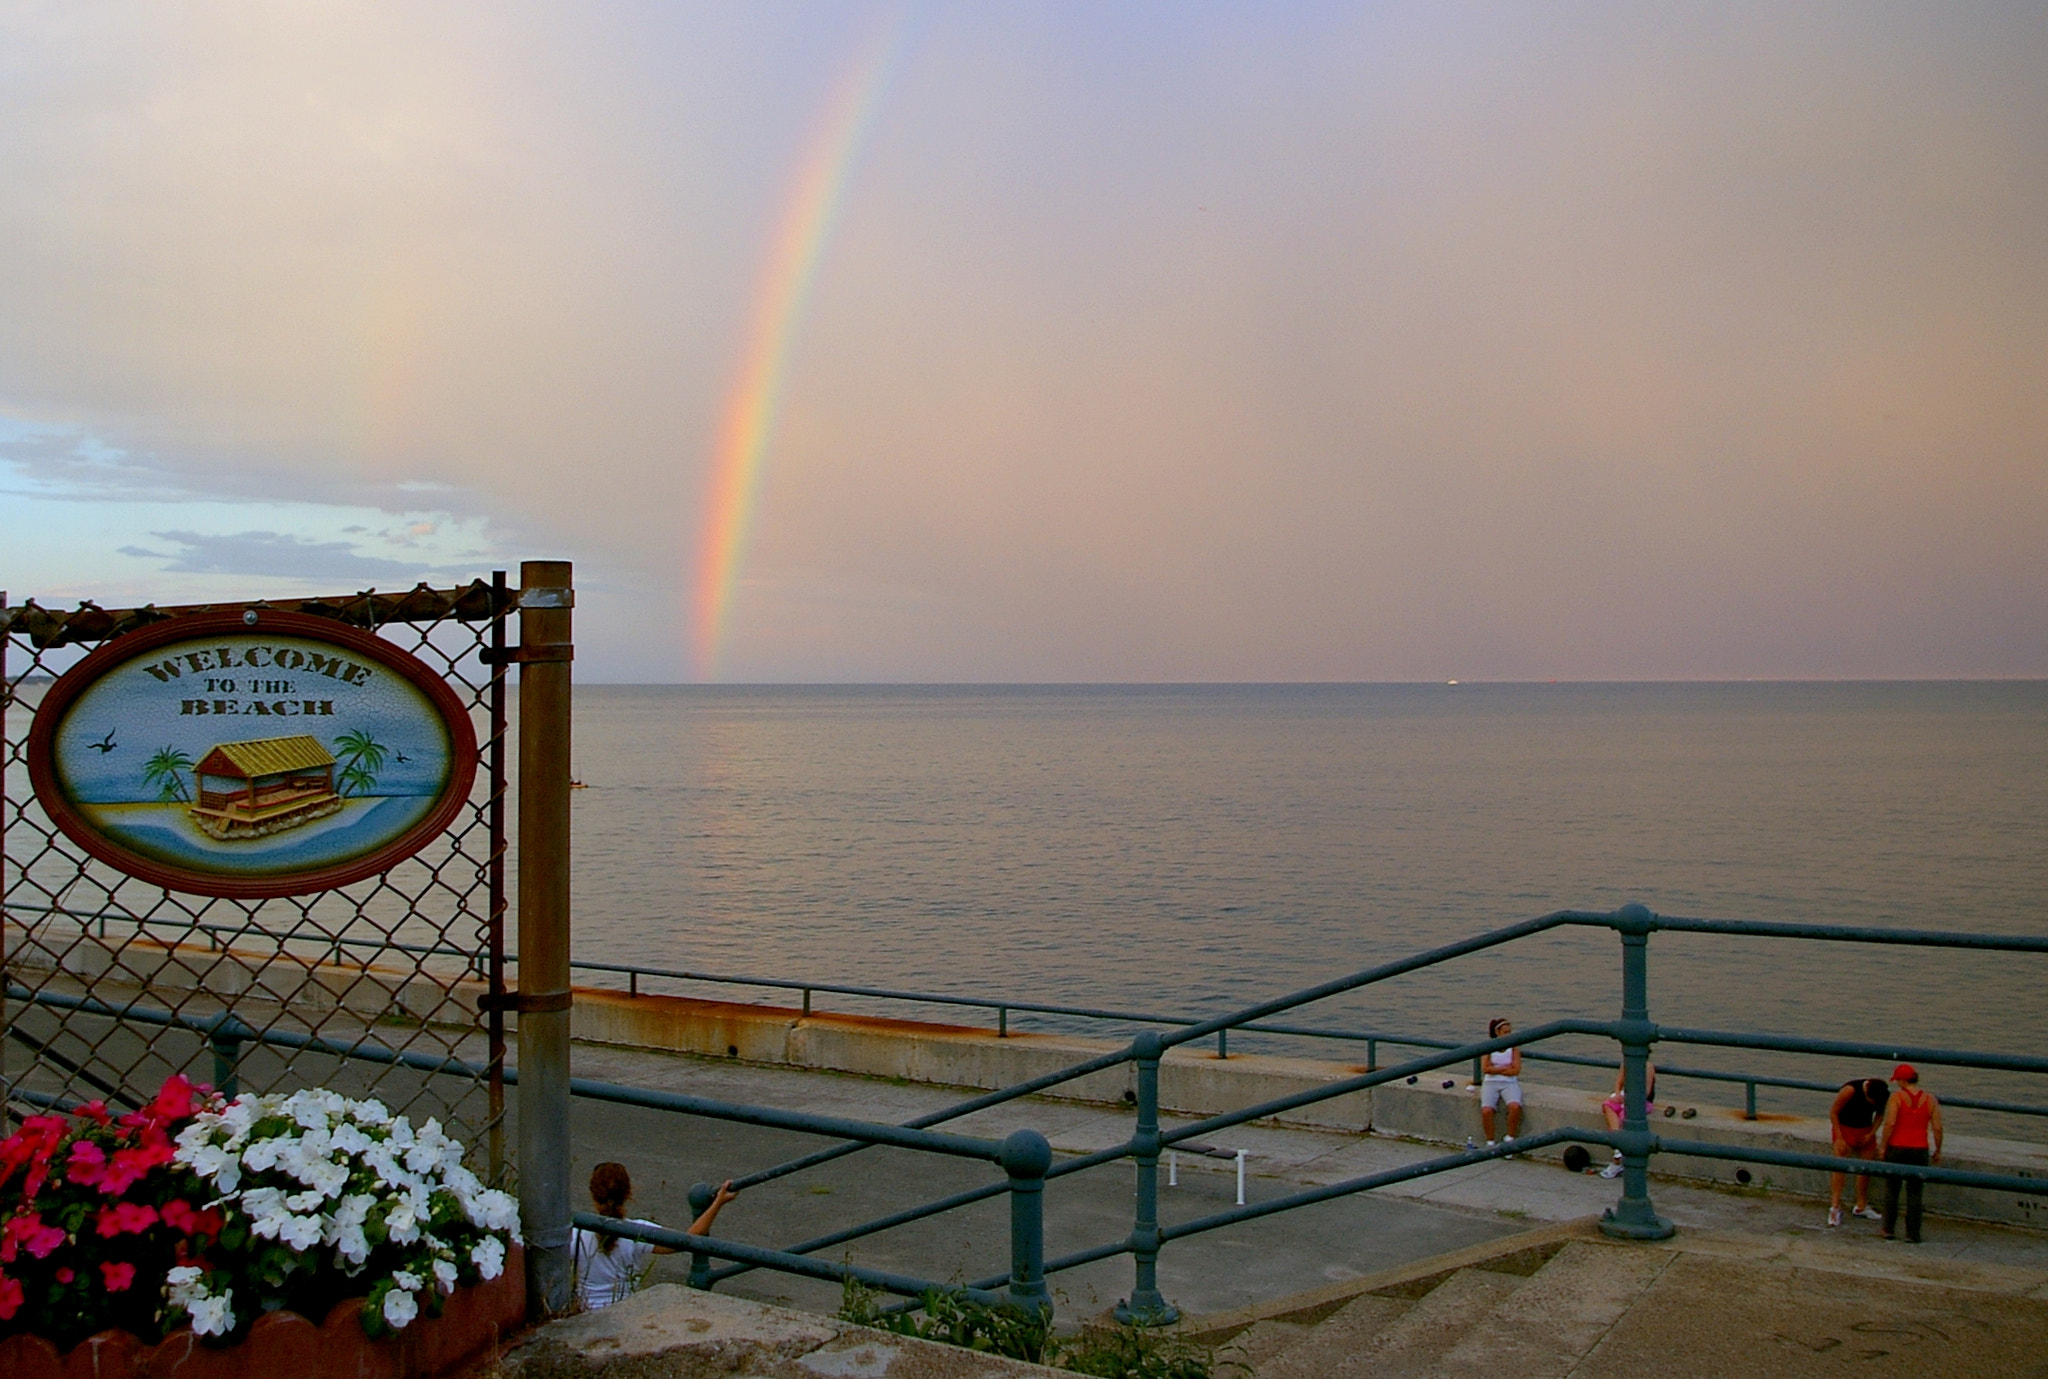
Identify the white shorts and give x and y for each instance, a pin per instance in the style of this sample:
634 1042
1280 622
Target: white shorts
1494 1090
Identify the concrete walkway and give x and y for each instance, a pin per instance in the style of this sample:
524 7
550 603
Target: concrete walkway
1234 1268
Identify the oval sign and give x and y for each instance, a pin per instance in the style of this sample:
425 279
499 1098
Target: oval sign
251 754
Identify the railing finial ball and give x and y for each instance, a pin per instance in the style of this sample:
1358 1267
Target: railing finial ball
1634 918
1025 1154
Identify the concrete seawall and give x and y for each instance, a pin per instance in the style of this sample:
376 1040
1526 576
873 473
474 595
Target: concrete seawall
1192 1083
1198 1083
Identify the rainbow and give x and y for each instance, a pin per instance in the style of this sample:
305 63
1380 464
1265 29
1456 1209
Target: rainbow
747 421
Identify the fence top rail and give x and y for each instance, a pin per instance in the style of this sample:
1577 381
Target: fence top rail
1856 933
472 602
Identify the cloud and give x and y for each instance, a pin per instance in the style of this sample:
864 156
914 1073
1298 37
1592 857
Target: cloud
265 553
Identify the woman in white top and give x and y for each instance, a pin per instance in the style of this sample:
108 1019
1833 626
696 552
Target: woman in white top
1502 1082
608 1268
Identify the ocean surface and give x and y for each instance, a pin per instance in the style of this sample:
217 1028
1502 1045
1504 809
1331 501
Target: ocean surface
1194 849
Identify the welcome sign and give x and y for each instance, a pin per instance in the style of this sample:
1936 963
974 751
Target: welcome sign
251 754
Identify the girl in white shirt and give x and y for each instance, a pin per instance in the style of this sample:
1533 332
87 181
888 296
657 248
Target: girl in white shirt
1502 1082
608 1268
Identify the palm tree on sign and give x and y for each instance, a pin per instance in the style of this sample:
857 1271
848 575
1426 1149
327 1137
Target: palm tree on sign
362 757
167 769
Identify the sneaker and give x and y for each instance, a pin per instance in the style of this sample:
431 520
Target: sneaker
1509 1140
1489 1144
1612 1170
1868 1213
1834 1217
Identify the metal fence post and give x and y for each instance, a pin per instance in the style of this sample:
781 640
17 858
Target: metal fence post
1633 1218
545 600
226 1038
1025 1157
701 1197
1145 1306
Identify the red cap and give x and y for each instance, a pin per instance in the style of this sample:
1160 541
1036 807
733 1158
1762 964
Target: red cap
1905 1073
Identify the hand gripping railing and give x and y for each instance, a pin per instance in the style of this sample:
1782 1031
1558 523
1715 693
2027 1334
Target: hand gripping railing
1028 1164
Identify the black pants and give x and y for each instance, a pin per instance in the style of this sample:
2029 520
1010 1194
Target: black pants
1914 1188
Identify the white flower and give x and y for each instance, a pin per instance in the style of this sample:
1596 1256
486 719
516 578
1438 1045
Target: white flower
326 1177
349 1139
353 1209
370 1112
408 1280
445 1274
488 1255
261 1202
400 1307
263 1154
306 1201
213 1316
219 1166
379 1159
351 1244
401 1225
495 1211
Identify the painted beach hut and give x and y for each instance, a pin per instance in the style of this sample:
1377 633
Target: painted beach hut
250 789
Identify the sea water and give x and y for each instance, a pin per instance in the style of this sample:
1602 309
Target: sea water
1193 849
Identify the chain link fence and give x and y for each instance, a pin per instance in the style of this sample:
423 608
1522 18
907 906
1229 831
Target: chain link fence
113 983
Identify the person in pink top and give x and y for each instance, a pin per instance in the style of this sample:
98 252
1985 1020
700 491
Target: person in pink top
1911 1134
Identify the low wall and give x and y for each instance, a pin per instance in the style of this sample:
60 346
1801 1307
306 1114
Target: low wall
1198 1083
1194 1083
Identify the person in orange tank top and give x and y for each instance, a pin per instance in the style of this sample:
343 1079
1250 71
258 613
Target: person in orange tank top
1911 1134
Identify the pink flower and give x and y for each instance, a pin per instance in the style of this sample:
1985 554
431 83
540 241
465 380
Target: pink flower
29 1230
178 1099
32 1145
126 1218
179 1215
88 1163
10 1297
65 1275
118 1276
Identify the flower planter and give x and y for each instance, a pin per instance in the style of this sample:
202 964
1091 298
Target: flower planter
284 1345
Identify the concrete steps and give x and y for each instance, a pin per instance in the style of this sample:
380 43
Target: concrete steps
1569 1302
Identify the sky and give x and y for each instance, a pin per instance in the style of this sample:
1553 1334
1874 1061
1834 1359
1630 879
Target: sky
1050 342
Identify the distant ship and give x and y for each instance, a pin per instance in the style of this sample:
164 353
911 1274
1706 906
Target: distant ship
253 789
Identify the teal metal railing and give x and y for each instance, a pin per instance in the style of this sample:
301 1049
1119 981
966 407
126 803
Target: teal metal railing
1027 1164
332 948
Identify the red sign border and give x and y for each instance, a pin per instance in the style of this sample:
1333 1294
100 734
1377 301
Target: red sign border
109 656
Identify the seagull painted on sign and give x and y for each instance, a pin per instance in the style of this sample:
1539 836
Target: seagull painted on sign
105 744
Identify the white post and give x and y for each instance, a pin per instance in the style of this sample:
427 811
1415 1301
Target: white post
1172 1169
1240 1177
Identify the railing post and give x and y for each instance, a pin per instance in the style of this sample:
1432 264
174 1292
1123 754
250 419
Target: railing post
1145 1306
701 1197
226 1037
1749 1101
1025 1157
545 600
1633 1218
